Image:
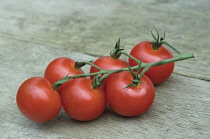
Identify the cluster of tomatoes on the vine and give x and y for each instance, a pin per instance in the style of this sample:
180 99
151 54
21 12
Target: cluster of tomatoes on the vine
125 92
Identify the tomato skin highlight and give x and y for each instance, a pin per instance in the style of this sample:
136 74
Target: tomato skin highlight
81 102
37 101
144 50
59 68
108 63
131 101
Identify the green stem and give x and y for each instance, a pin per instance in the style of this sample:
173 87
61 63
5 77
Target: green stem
79 65
181 56
91 64
106 73
171 46
130 56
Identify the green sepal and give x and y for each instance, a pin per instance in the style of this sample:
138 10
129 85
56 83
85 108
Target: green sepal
155 39
158 35
157 42
139 66
131 71
136 78
164 37
116 52
137 81
131 85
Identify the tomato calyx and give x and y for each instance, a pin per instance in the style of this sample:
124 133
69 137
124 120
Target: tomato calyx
96 83
116 52
136 77
157 42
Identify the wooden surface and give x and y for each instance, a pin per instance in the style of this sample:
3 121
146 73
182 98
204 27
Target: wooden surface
32 33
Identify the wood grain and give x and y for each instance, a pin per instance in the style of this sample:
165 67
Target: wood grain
32 33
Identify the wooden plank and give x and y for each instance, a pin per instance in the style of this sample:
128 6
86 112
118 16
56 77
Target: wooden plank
181 106
32 33
77 26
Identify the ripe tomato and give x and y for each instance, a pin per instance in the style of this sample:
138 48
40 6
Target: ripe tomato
144 50
108 63
131 101
59 68
37 100
81 101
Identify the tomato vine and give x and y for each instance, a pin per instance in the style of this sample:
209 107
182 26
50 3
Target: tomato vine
127 87
144 66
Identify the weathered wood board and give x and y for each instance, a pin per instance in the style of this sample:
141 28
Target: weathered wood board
32 33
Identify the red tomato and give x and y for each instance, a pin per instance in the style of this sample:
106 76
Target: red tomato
81 101
145 51
59 68
131 101
37 100
108 63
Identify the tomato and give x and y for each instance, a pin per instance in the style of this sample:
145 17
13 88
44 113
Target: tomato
82 102
59 68
131 101
37 100
108 63
144 50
